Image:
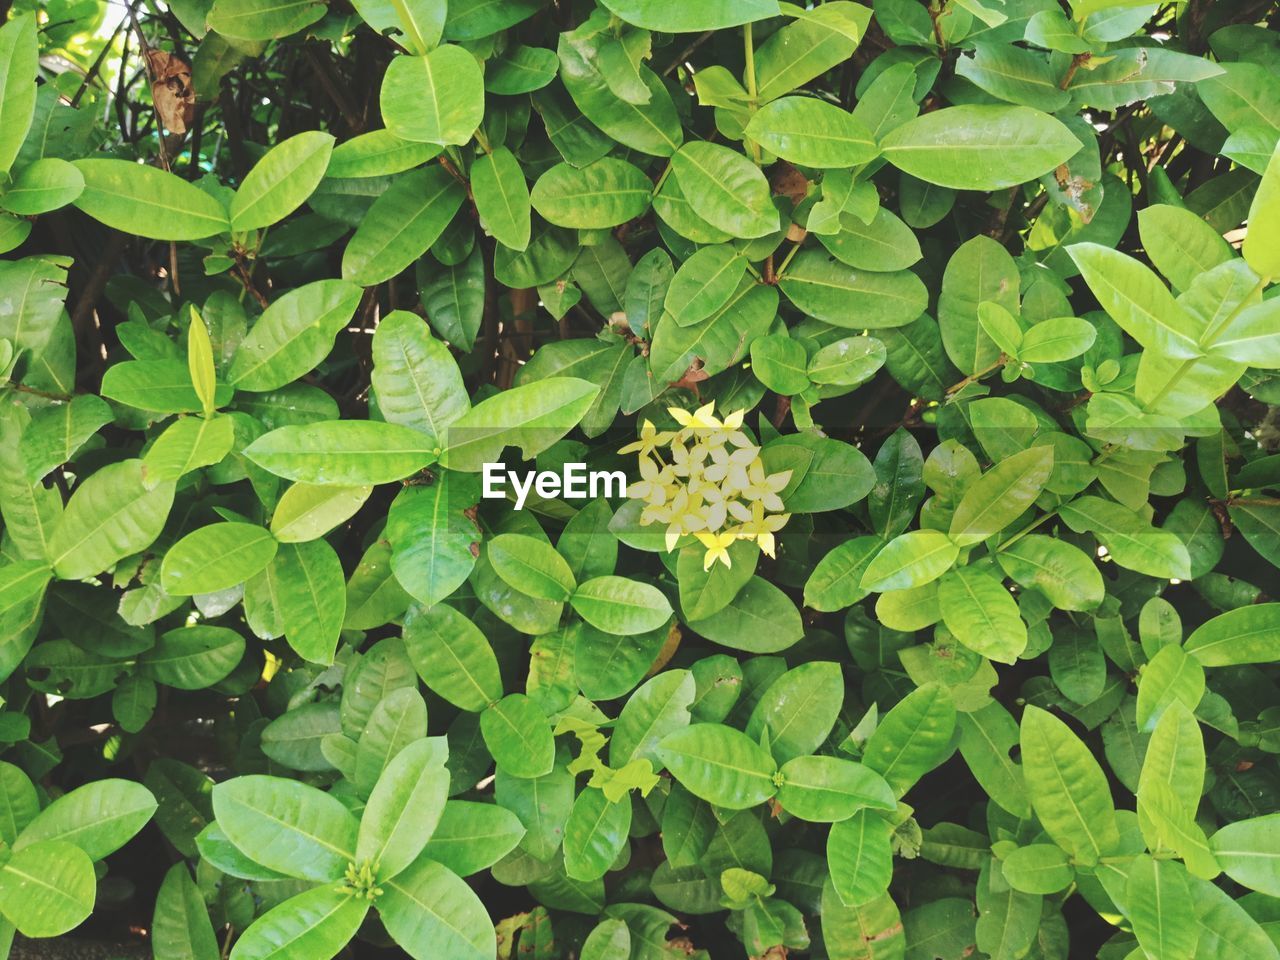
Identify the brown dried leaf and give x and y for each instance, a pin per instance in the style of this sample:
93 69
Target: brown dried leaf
171 90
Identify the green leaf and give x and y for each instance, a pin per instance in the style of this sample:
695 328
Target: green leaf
719 764
19 64
378 153
162 386
431 538
828 789
1057 339
1001 495
434 98
610 940
697 15
982 614
1172 676
798 710
1248 634
520 70
780 364
99 817
1131 541
1038 868
293 335
305 512
1062 572
819 39
192 658
471 836
725 189
759 619
343 453
979 147
1137 300
281 181
138 199
836 582
532 417
47 888
1011 73
403 809
421 22
431 913
704 283
912 738
306 584
595 834
860 857
1068 789
452 656
602 194
910 560
415 378
830 291
532 566
884 245
180 927
317 923
502 197
287 826
1180 244
1159 904
216 557
619 605
518 735
848 362
42 186
402 223
297 739
111 515
1249 853
262 19
1263 239
812 133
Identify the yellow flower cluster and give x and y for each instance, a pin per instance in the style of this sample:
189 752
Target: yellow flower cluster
712 485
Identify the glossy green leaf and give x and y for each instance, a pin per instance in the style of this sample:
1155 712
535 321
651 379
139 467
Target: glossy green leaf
216 557
434 98
720 765
281 181
147 201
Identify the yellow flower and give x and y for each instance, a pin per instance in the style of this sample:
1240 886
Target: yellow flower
731 468
687 461
650 440
765 488
701 419
717 545
656 483
757 526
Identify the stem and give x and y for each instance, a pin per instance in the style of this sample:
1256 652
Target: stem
975 377
782 268
1025 530
749 51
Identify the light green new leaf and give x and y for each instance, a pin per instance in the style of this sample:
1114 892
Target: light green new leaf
305 512
812 133
434 98
1068 789
147 201
1261 247
979 147
343 452
620 605
1249 634
281 181
186 445
452 656
216 557
719 764
111 515
287 826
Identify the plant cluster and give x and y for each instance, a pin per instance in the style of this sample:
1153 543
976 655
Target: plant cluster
954 635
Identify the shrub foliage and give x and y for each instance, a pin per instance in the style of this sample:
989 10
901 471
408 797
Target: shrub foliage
938 625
